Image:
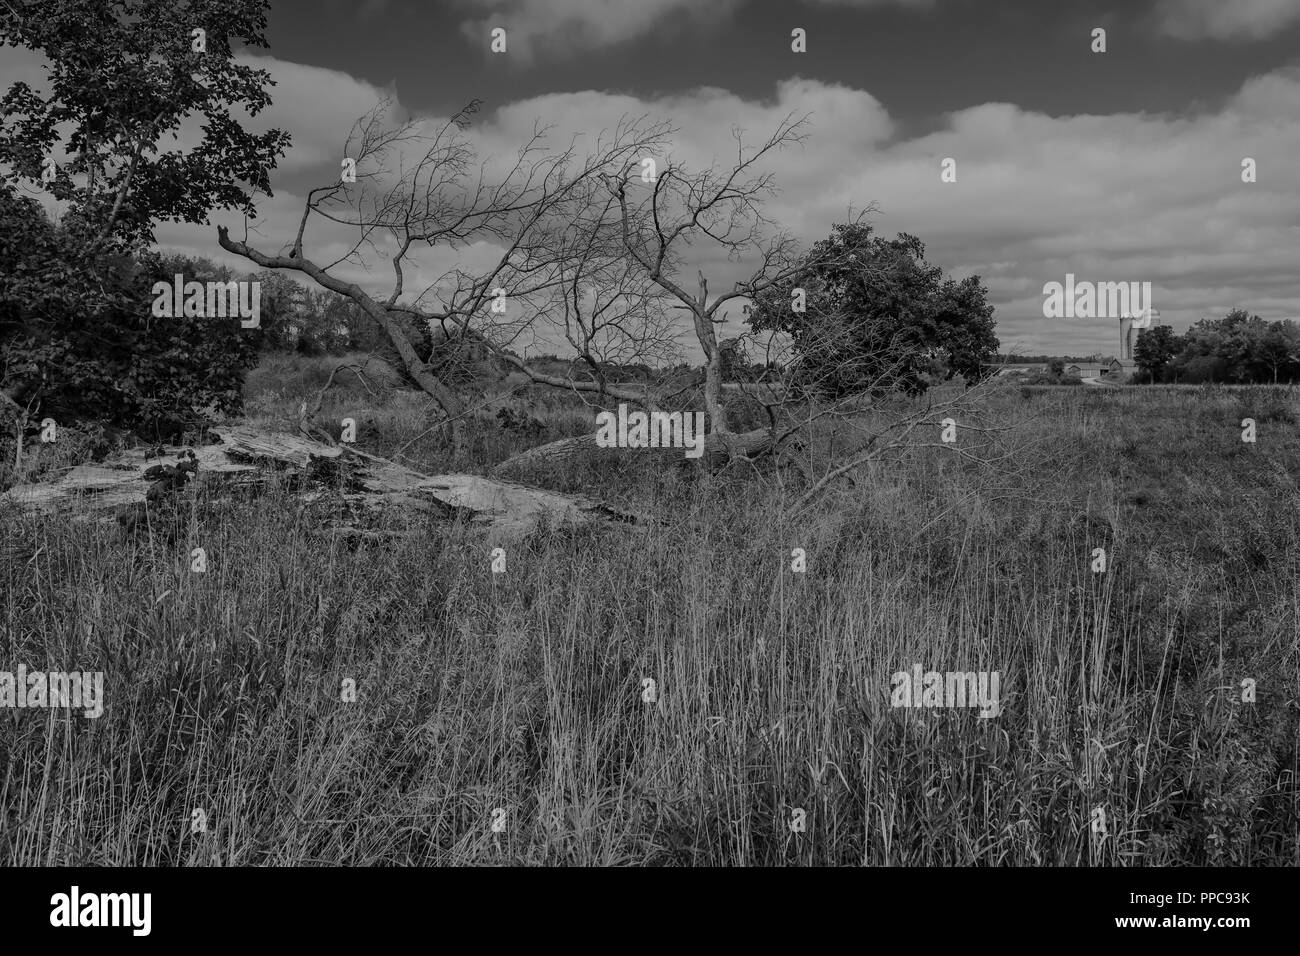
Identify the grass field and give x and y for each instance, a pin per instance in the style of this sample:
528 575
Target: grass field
503 718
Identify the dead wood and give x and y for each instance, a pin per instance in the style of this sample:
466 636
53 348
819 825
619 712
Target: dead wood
246 455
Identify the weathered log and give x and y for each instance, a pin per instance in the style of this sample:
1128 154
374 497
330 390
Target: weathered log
248 454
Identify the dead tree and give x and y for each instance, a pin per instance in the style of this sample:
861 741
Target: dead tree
422 188
655 228
122 488
601 304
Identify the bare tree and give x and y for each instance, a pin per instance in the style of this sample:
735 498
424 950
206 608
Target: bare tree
604 306
684 211
421 187
583 252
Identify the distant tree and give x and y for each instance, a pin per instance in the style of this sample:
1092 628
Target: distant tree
283 315
736 366
1056 367
1202 369
1243 336
1239 347
1279 350
1155 350
878 316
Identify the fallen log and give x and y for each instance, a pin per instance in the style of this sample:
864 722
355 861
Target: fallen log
246 455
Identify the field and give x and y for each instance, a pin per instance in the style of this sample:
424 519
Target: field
506 718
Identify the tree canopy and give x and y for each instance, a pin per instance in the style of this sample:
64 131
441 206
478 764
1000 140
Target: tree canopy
1239 347
875 315
122 76
77 338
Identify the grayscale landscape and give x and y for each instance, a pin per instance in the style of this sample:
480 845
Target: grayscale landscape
504 433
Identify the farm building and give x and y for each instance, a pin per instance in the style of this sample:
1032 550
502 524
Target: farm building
1087 370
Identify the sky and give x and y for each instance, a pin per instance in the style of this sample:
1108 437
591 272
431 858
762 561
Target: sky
1117 166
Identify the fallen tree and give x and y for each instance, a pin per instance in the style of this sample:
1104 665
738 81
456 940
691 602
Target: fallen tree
588 249
122 487
443 199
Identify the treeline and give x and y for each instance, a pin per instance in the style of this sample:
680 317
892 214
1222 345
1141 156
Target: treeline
1001 359
310 320
1238 348
79 340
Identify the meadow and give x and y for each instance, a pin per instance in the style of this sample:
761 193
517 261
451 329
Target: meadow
505 718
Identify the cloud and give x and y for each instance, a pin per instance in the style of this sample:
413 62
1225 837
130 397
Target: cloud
316 105
562 27
1119 197
1226 19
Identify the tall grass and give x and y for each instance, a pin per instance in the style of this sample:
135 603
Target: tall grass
525 692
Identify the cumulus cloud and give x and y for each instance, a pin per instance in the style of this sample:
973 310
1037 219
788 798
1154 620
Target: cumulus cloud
1226 19
1120 197
316 105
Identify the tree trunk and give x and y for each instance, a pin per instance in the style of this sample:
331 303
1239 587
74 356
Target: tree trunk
246 456
419 372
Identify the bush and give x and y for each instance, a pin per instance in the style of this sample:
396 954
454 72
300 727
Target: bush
79 342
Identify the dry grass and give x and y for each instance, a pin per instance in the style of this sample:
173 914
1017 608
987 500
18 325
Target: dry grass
524 690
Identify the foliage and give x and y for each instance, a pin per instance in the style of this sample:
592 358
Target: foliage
78 341
123 75
1238 348
1154 350
879 317
77 338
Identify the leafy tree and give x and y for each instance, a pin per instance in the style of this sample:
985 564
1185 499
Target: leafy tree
76 333
878 316
1279 350
123 75
283 316
1239 347
1243 336
1201 369
79 342
1155 350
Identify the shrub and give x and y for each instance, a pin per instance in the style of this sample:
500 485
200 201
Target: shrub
79 342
